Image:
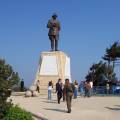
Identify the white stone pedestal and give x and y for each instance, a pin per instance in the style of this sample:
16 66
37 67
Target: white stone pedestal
52 66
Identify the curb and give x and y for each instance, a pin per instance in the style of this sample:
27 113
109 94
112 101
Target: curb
39 116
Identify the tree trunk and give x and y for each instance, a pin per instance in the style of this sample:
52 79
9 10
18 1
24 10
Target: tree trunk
113 65
108 67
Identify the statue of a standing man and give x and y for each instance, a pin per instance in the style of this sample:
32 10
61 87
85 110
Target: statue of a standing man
54 28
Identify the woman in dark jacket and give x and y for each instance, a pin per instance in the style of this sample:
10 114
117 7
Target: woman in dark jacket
59 90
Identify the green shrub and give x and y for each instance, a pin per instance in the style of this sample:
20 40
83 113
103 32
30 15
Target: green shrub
4 106
16 113
8 78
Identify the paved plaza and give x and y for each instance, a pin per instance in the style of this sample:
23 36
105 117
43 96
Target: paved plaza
93 108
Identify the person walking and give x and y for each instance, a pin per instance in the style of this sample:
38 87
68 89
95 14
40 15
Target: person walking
38 86
87 89
69 94
63 92
75 89
91 87
50 90
107 88
59 90
81 88
22 85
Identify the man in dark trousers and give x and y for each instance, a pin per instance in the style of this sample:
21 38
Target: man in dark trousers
69 93
59 90
38 86
22 85
54 28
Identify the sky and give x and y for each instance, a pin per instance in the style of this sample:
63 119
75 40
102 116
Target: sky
88 27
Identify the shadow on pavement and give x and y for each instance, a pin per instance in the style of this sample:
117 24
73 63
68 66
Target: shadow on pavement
50 102
117 105
110 108
58 110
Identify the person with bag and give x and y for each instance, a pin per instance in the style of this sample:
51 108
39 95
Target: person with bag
68 93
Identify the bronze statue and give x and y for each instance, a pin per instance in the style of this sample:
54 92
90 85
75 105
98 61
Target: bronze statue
54 28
